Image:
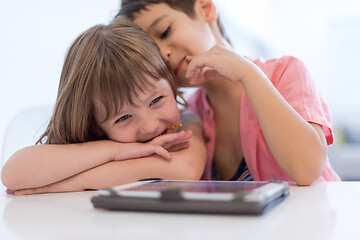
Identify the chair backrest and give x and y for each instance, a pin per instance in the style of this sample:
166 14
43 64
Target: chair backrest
24 130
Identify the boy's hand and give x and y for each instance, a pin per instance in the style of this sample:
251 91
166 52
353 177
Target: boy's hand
218 63
160 145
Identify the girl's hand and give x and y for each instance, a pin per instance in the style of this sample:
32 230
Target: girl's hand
29 191
65 185
218 63
160 145
173 142
9 191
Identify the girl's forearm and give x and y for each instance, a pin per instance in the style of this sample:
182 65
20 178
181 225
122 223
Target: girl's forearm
299 147
40 165
104 176
122 172
187 164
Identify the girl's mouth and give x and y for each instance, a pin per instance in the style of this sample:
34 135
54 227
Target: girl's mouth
166 131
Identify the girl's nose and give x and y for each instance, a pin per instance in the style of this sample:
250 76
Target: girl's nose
148 128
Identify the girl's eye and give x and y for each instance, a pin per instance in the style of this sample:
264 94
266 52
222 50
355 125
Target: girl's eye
165 33
123 118
156 100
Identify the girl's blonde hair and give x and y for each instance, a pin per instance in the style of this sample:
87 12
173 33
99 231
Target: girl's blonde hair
108 63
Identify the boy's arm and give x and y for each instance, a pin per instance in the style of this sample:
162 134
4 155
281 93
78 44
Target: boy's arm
186 164
41 165
298 146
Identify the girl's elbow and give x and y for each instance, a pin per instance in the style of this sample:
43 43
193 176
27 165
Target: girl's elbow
9 174
189 172
194 174
14 171
197 170
192 165
4 179
8 179
193 171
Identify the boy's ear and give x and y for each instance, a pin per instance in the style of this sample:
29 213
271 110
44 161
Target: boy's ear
206 9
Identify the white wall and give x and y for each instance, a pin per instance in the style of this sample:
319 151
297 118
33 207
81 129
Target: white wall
35 34
34 38
325 34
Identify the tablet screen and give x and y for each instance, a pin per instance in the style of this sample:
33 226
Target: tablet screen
198 186
209 190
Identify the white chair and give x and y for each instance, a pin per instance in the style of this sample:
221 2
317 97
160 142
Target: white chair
24 130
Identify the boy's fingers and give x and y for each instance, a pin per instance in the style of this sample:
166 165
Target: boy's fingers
212 75
189 58
197 63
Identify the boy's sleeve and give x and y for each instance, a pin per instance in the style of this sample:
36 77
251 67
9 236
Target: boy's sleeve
295 84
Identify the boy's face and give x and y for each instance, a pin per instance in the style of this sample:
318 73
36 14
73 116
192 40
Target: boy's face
177 35
153 111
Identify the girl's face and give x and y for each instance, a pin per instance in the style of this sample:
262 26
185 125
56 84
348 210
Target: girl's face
154 110
177 35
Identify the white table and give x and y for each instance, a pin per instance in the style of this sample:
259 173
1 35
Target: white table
324 211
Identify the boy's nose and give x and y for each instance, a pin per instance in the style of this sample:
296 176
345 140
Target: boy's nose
166 52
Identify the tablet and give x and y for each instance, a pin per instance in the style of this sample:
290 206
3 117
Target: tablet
227 197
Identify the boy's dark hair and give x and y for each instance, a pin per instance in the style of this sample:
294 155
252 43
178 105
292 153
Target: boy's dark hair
130 7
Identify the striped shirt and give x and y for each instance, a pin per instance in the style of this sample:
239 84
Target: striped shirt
241 174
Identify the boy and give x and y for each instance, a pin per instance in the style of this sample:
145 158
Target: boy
263 120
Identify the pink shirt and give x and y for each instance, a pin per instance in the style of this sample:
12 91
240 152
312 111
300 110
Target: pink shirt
293 81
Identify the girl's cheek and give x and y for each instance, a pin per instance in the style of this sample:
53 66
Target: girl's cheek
176 114
123 135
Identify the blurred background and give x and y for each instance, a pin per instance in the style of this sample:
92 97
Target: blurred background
35 35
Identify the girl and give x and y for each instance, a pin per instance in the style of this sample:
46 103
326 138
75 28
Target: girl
263 120
112 120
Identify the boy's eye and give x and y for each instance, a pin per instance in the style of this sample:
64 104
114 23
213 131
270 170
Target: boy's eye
123 118
156 100
165 33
